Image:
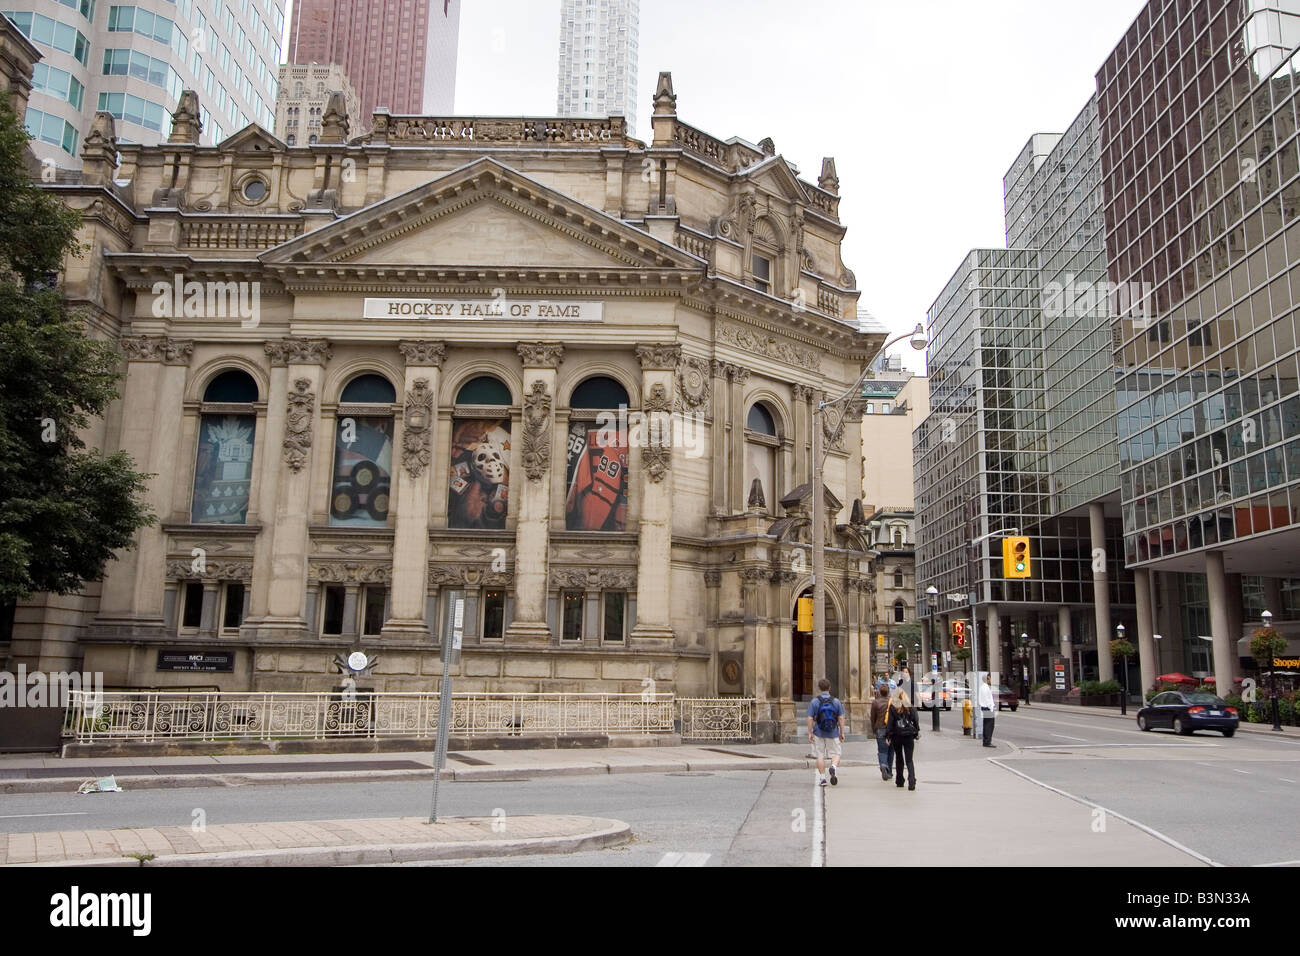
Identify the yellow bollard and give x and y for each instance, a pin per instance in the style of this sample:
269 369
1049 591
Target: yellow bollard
967 717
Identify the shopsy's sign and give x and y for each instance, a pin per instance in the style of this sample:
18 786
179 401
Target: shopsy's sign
493 309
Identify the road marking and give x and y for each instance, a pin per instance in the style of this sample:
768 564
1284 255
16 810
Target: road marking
1285 780
1068 737
819 822
1246 772
71 813
1283 863
683 859
1119 816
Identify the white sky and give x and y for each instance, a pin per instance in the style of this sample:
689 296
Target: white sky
923 103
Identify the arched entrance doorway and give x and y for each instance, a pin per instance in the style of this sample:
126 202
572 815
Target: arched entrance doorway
801 651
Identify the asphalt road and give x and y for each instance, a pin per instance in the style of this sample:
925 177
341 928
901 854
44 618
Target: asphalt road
737 818
1210 794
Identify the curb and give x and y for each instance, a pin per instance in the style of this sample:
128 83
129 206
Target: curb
1292 733
200 780
610 833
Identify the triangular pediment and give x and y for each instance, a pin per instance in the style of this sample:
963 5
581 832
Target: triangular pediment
482 214
775 176
251 139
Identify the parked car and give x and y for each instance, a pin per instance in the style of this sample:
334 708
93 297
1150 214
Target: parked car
1186 712
956 691
1007 697
926 689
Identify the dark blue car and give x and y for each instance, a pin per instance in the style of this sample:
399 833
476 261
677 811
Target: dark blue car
1186 712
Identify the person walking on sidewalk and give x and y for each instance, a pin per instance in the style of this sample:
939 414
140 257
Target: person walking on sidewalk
879 711
988 708
826 730
902 730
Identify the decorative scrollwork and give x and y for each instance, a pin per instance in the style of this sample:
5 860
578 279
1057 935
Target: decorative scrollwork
693 384
297 439
540 354
659 357
423 353
299 351
417 425
537 430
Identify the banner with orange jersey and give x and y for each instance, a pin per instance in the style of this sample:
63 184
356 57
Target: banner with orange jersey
597 479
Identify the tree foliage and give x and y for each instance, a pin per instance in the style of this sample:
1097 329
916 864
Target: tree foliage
64 509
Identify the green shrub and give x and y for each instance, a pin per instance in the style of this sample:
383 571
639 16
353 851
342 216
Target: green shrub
1093 688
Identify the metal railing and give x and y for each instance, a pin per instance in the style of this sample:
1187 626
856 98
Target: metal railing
149 716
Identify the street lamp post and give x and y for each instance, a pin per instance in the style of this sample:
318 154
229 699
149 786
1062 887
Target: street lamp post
1123 695
1267 619
931 593
1024 667
917 339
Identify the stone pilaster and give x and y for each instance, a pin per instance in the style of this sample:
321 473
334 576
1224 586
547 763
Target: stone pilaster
720 430
411 532
532 530
152 408
285 567
736 438
654 477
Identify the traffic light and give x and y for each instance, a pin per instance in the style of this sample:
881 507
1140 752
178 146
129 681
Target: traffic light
959 633
1015 558
805 622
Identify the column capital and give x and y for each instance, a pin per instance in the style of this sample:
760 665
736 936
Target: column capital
291 351
662 357
157 348
423 352
540 354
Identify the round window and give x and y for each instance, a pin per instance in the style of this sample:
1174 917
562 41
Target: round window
255 190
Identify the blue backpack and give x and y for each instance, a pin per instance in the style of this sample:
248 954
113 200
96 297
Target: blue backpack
828 718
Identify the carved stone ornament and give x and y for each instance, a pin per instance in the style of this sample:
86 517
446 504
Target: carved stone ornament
299 351
417 425
298 426
211 571
537 430
833 428
754 576
469 576
757 502
783 576
855 409
712 578
693 384
540 355
349 573
157 348
593 579
801 393
657 453
760 343
423 353
663 357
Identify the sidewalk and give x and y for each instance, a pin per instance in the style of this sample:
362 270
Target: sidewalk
321 843
1244 727
969 811
21 773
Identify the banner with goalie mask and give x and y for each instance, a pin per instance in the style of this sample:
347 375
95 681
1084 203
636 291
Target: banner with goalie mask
478 495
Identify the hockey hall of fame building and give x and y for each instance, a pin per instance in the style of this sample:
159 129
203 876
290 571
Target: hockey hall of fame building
381 376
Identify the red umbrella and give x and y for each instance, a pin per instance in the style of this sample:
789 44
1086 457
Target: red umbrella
1177 677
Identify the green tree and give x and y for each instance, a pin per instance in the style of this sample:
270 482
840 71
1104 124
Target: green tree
64 509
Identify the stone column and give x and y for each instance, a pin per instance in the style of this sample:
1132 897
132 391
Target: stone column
152 407
654 477
719 437
268 485
1063 637
532 530
411 532
1225 642
1148 666
799 432
752 581
1101 590
351 629
208 617
738 494
304 360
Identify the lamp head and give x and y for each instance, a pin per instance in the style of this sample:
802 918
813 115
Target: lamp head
919 339
1119 629
932 590
1266 616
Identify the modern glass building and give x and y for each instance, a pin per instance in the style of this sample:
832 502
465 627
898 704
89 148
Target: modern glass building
1022 427
1197 108
133 60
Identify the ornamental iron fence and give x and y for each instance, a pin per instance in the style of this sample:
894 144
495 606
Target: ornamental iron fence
150 716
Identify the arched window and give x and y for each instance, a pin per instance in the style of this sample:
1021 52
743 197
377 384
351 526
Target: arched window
292 140
761 444
900 611
900 537
596 476
363 453
898 577
223 468
478 493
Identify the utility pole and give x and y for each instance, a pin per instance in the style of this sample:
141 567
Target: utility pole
819 548
974 620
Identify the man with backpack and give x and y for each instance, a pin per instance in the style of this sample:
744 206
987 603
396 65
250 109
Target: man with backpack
826 730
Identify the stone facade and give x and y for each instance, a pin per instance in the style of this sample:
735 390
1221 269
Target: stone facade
368 377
